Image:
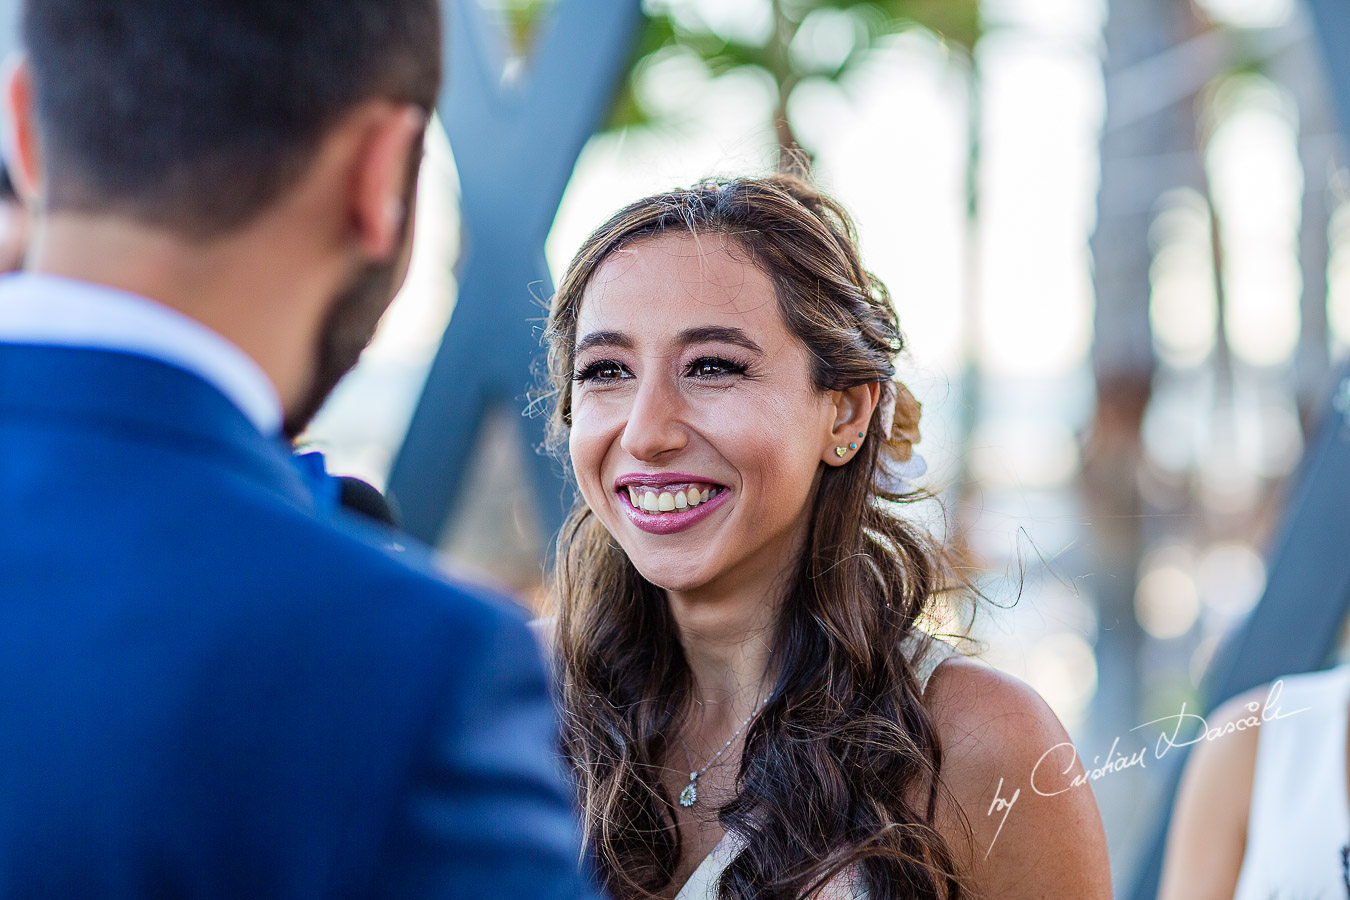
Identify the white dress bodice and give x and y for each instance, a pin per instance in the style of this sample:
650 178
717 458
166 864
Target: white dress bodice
925 654
1299 822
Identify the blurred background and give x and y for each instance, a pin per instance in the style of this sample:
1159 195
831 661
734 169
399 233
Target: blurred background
1118 236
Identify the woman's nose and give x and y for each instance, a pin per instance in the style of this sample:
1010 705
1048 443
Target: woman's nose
656 425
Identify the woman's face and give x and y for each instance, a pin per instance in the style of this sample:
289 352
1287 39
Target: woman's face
697 433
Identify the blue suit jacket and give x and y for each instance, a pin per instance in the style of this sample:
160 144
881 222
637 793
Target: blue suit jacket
209 689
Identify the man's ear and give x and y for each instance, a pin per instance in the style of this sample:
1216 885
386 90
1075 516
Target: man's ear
852 413
24 150
385 166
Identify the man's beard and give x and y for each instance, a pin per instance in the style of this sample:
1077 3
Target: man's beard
348 329
356 312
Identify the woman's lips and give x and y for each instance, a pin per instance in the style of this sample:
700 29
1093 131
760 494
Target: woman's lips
671 522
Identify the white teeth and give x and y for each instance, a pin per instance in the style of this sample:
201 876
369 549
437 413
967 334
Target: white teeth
652 501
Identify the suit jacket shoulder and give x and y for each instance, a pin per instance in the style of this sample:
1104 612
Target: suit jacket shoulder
213 691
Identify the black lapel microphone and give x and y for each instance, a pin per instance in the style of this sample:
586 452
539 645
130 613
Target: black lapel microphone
365 500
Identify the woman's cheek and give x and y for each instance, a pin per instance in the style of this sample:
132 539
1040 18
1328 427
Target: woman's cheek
586 444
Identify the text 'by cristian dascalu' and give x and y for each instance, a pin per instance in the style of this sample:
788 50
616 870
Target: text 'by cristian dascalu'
1054 772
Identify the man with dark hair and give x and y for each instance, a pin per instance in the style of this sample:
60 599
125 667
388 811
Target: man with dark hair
212 687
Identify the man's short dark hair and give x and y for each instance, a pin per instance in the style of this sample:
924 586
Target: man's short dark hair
198 115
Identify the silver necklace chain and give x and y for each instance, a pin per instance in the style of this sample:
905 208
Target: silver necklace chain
689 796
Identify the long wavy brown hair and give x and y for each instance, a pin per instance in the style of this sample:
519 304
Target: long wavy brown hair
842 766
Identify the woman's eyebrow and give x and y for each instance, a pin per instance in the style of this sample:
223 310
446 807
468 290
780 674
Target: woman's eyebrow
604 339
702 335
719 334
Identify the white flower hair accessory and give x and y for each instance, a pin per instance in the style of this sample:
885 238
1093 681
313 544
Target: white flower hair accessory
899 418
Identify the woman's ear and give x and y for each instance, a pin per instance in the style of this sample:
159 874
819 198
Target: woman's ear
852 413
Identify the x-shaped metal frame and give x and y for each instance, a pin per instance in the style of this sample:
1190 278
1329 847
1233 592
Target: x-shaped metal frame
516 137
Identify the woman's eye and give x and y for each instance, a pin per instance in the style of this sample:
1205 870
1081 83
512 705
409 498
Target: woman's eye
714 367
604 370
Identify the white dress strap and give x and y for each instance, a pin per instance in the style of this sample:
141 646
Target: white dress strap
1299 822
702 885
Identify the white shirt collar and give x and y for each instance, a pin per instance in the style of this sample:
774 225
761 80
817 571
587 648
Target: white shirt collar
50 311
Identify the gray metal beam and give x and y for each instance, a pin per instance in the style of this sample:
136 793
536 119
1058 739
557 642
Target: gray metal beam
1141 124
9 26
10 11
1332 21
516 138
1295 626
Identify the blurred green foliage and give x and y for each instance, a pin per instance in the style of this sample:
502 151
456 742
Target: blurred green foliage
797 40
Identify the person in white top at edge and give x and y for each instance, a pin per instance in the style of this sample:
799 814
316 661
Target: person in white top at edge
1263 811
750 708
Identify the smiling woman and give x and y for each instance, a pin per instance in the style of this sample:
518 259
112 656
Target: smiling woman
749 707
711 393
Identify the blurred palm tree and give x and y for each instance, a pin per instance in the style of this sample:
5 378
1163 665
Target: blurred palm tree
809 40
805 40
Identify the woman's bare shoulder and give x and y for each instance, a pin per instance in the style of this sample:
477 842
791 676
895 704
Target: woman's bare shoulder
1207 837
1026 827
1233 758
989 722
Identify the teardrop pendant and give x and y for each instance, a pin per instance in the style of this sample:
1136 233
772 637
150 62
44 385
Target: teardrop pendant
689 796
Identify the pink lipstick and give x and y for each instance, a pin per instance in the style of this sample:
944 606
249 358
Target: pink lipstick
680 497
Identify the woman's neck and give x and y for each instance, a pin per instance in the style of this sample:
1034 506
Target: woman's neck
727 629
728 643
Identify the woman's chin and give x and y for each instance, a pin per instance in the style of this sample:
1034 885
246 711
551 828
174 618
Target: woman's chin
671 577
